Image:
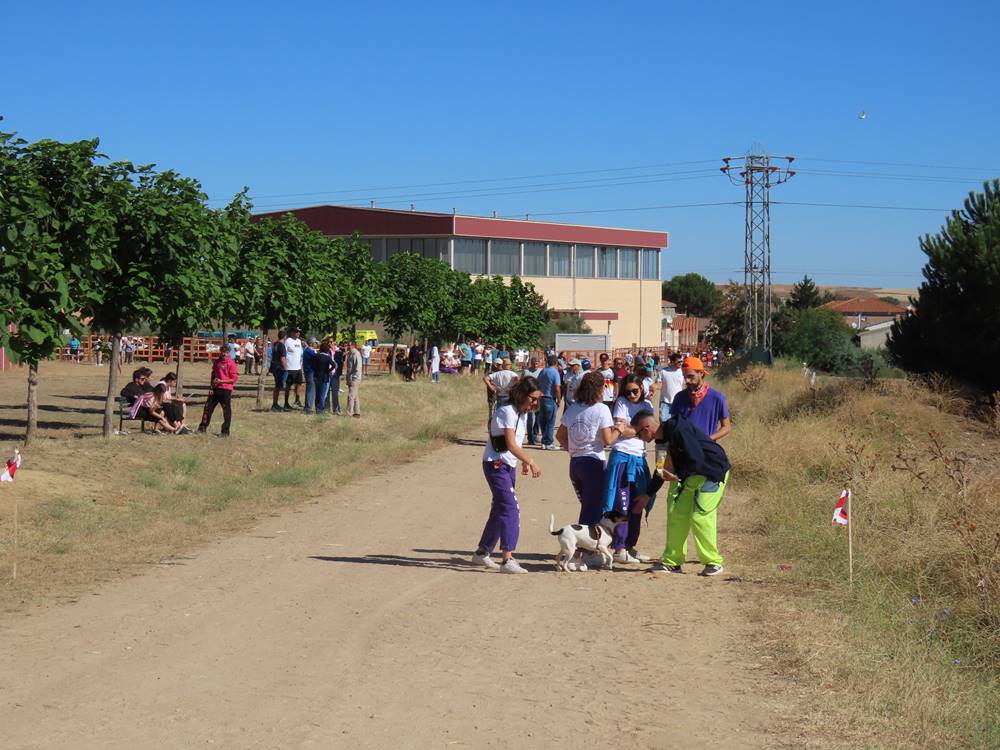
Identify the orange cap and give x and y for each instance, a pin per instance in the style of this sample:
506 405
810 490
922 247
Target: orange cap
693 363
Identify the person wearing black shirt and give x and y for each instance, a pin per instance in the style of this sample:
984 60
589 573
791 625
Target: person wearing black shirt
278 368
322 364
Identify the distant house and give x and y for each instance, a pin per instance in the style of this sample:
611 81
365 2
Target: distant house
686 331
865 312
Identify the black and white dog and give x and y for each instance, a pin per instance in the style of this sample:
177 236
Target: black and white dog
595 538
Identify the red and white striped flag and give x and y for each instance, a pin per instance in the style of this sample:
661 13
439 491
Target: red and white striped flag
840 512
11 468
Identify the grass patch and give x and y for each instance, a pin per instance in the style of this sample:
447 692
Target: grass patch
914 649
287 477
186 463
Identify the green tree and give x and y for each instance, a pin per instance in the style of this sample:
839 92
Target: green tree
562 324
693 294
162 241
55 236
367 295
726 328
820 338
417 287
806 294
954 325
266 276
196 265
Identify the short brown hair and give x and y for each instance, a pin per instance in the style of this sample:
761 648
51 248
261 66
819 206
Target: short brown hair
591 388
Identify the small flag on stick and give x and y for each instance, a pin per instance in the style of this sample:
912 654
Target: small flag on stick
840 516
11 468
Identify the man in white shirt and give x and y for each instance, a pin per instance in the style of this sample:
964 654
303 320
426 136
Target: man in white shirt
671 383
293 367
248 352
366 355
499 382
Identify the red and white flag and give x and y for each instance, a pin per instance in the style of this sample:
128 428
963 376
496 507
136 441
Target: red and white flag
11 468
840 512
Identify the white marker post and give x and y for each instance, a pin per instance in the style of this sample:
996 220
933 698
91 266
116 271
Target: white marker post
850 539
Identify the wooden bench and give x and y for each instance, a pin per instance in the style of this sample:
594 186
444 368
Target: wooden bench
124 407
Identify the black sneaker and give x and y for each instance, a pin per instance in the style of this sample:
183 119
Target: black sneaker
288 408
276 408
661 568
711 570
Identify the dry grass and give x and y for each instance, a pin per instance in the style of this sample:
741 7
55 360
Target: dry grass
910 658
92 510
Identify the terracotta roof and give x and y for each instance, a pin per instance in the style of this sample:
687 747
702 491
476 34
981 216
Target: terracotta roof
865 306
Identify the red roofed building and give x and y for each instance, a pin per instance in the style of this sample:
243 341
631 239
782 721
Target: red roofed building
862 312
609 276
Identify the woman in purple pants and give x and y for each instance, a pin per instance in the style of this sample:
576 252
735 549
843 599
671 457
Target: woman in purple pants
503 449
586 428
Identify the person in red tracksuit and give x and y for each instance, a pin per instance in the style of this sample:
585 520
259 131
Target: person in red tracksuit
224 377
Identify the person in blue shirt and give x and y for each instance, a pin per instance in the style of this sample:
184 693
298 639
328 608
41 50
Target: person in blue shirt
466 358
308 357
549 381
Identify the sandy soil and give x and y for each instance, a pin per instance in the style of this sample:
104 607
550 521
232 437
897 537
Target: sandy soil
354 621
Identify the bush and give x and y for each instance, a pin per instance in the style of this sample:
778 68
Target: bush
820 338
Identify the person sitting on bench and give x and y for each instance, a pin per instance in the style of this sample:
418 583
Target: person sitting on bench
139 394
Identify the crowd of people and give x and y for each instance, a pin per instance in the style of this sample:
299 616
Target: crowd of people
610 408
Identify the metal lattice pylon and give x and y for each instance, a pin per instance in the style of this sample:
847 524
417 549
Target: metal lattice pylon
758 173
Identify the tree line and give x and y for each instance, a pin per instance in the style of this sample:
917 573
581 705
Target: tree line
89 242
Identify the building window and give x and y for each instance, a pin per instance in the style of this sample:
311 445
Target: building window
375 244
534 258
651 264
505 258
585 261
559 260
606 266
470 256
628 263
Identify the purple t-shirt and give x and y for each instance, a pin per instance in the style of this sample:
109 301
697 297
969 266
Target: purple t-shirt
706 415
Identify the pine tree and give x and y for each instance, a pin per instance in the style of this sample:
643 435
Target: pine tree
954 326
806 294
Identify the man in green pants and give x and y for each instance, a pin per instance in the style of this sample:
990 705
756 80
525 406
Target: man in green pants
699 471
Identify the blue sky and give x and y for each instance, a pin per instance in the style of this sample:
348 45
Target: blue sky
325 102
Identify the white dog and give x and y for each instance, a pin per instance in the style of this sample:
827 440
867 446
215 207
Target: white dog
595 538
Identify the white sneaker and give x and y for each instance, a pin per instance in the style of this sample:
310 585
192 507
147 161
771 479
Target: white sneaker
622 556
638 555
578 565
511 566
485 561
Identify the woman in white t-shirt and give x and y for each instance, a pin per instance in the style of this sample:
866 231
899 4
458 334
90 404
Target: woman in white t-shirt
503 450
628 473
586 428
435 364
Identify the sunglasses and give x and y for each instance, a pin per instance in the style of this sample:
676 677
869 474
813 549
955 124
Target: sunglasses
632 392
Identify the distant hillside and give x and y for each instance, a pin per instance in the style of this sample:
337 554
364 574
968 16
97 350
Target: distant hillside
847 292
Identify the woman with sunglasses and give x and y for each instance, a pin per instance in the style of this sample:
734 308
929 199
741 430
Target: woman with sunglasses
508 426
627 474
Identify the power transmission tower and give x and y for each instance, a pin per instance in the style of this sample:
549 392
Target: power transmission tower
758 173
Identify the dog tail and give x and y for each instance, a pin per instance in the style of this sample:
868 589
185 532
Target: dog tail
552 526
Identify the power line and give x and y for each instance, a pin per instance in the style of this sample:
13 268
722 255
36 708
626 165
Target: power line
632 208
555 187
888 176
485 179
899 164
861 205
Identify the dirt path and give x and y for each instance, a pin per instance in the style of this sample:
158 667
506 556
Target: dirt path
354 622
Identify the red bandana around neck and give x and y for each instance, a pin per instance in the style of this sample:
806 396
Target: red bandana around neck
699 395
